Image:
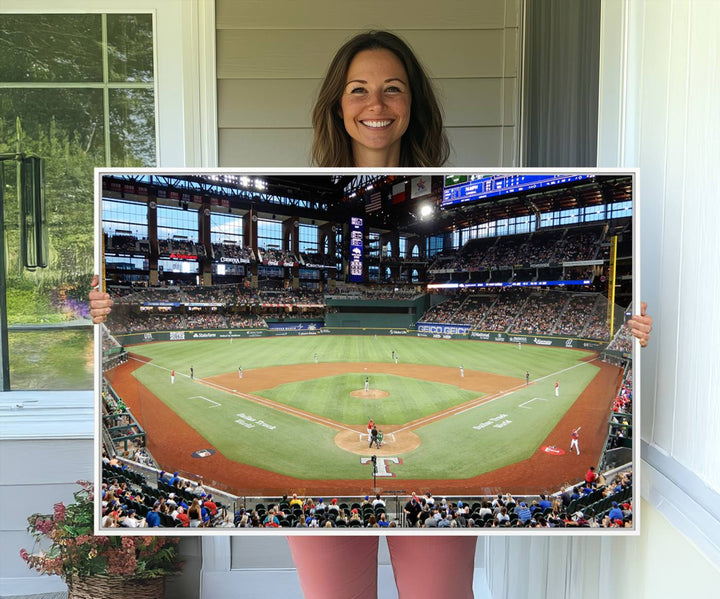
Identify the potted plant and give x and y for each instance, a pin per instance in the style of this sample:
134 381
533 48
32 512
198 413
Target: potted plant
98 566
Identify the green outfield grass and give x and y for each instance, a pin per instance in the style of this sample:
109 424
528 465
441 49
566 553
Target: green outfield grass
467 444
409 399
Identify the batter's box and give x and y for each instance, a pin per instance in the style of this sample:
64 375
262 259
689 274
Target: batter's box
529 401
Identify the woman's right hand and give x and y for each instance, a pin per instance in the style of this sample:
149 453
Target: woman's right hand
100 302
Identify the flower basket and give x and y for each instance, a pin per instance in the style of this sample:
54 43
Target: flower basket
95 567
117 587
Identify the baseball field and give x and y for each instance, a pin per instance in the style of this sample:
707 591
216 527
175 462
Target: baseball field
294 422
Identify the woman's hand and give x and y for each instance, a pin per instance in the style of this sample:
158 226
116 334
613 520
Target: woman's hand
641 324
100 302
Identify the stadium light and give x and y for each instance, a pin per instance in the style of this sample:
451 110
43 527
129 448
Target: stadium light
426 210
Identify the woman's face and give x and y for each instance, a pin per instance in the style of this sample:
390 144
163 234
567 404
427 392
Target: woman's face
375 107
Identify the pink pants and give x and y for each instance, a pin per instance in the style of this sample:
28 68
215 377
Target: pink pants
333 567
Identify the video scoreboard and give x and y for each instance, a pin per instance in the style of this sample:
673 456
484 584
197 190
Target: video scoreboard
461 189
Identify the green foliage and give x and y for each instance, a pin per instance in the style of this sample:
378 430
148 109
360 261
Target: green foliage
73 551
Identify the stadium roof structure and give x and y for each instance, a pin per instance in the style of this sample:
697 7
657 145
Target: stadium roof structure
334 198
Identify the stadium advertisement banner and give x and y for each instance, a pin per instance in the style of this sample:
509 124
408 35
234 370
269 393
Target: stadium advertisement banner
430 331
357 231
569 342
437 328
295 326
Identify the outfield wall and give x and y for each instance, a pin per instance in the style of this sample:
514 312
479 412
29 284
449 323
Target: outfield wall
432 331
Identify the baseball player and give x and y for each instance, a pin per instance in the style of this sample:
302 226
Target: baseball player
395 357
172 377
192 374
367 384
370 426
373 436
574 440
462 372
527 377
239 372
557 388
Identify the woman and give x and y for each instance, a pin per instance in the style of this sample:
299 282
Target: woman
376 108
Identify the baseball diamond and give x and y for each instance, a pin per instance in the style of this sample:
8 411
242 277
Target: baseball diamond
284 334
291 422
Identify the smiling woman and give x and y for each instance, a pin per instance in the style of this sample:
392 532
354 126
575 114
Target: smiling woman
377 108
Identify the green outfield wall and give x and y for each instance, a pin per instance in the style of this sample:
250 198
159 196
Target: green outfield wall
187 335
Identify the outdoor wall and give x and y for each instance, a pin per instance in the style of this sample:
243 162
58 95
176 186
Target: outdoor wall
272 56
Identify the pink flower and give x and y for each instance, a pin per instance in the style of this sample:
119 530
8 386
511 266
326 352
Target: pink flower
24 555
59 512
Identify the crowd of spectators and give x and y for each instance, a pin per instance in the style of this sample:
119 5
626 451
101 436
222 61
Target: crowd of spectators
235 251
527 313
180 246
274 256
539 314
542 247
127 244
574 319
622 341
316 258
593 503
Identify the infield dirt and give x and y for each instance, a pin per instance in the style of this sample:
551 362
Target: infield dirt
172 441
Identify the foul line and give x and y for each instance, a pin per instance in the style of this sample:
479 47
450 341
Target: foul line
466 407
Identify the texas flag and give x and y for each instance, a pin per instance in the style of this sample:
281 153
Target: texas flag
398 193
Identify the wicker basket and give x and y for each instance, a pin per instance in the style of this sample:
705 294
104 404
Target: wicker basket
116 587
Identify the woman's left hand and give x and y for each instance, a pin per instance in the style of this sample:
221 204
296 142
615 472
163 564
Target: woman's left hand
641 324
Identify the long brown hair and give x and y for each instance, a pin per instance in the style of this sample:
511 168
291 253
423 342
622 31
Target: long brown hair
423 144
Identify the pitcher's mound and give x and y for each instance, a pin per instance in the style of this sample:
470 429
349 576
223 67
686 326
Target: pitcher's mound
370 394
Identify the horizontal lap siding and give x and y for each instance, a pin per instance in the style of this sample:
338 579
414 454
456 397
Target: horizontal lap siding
271 60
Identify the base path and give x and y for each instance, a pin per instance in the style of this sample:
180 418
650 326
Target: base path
172 441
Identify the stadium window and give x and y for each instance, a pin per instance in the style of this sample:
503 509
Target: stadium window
620 210
269 233
79 91
172 222
569 217
307 238
120 215
501 227
416 251
226 228
434 245
457 238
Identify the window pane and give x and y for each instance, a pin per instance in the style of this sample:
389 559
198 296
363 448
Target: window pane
66 127
37 48
52 359
130 48
132 127
53 122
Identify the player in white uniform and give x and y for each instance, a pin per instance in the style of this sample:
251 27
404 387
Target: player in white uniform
574 440
462 372
367 384
557 388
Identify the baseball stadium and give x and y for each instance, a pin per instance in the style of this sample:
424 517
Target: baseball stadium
280 339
